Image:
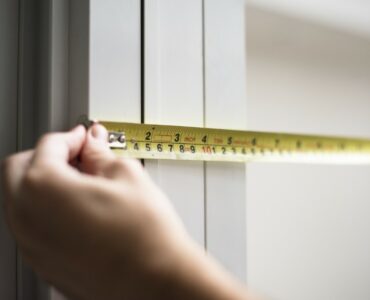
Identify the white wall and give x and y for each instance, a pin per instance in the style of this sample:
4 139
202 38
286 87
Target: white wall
308 229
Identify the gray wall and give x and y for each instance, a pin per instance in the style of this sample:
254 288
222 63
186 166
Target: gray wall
8 128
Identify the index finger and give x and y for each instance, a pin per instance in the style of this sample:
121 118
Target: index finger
60 147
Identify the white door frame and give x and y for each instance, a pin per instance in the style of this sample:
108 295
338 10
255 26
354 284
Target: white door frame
225 107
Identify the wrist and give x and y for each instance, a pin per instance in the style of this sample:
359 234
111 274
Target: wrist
195 275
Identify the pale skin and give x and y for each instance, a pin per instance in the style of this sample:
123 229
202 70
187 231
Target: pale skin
97 227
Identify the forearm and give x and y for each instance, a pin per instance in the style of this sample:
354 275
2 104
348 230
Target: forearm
197 276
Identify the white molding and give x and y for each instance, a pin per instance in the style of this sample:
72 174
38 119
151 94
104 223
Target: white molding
105 60
174 95
225 107
114 60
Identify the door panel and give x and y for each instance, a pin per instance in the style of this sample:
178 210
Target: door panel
114 85
174 95
225 107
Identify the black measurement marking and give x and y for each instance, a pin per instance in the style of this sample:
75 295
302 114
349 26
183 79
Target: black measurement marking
171 147
204 139
177 137
160 148
136 147
147 147
254 142
148 136
184 143
223 150
230 140
192 149
182 148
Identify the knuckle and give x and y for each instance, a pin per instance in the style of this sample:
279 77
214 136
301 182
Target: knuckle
133 166
91 153
125 167
122 164
7 164
33 179
38 180
25 207
115 166
97 152
7 167
47 138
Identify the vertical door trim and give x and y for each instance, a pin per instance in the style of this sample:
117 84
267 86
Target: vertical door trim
225 107
174 95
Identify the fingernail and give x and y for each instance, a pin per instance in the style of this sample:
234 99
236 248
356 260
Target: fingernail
99 132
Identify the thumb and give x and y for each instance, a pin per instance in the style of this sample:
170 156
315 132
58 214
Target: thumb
96 154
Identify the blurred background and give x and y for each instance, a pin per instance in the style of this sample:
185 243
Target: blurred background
308 227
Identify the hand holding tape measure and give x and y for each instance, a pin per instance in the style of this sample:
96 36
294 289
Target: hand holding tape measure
98 227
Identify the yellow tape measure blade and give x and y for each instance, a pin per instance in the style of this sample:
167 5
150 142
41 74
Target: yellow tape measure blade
147 141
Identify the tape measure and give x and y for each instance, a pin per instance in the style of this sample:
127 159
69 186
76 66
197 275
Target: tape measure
145 141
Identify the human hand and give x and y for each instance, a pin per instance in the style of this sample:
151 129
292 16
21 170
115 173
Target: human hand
97 227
